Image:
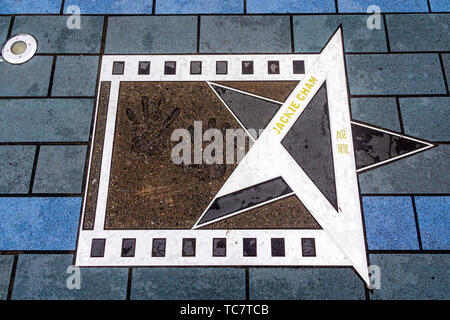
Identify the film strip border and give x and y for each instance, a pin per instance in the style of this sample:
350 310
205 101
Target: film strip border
277 67
207 247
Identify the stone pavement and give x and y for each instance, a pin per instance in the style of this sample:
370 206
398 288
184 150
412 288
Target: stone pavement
399 79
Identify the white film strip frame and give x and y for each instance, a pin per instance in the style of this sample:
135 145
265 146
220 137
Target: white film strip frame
327 254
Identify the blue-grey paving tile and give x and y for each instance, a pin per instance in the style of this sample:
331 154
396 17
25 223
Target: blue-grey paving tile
419 32
390 223
16 164
4 26
389 74
412 276
245 34
188 283
167 34
28 79
44 276
426 172
35 223
291 6
426 118
357 37
45 120
111 6
30 6
434 222
446 61
381 112
304 283
6 262
385 5
60 169
199 6
75 76
53 36
440 5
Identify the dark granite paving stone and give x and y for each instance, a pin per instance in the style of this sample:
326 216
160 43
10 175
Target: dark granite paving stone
188 283
434 222
159 248
98 248
311 33
199 6
390 74
427 118
252 112
290 6
16 164
13 81
308 247
245 34
309 143
118 67
75 76
381 112
196 67
34 223
277 245
286 213
219 247
385 5
373 146
144 67
419 32
440 6
426 172
53 36
446 62
44 277
6 262
390 223
4 26
30 7
60 169
188 249
247 67
168 34
45 120
170 67
221 67
249 247
128 247
111 6
246 198
305 283
412 276
298 66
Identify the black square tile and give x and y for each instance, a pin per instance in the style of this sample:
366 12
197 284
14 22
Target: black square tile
144 67
273 67
247 67
118 67
196 67
219 247
221 67
308 247
98 248
159 248
249 245
128 247
299 67
188 247
278 247
170 67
